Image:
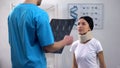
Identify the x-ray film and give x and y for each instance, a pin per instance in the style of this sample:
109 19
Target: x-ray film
60 28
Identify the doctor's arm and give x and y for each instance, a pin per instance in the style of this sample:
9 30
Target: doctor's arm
60 44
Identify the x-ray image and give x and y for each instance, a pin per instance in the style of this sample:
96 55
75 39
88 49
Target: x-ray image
60 28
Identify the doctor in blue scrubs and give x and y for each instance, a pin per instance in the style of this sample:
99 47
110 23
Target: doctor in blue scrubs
30 36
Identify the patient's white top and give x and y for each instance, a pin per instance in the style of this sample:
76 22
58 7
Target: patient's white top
86 54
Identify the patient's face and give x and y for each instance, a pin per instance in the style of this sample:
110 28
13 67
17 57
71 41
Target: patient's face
83 26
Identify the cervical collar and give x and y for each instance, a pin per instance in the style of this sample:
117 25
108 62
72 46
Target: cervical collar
84 38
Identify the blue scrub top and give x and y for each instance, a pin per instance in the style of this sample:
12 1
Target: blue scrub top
29 31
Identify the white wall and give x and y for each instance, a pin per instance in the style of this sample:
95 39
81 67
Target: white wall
4 47
109 35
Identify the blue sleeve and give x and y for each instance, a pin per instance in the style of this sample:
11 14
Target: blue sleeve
44 32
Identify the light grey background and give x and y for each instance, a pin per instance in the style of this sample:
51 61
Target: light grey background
109 35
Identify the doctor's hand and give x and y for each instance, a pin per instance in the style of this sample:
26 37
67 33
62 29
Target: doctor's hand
68 39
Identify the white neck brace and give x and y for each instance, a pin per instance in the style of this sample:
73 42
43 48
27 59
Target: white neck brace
86 37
